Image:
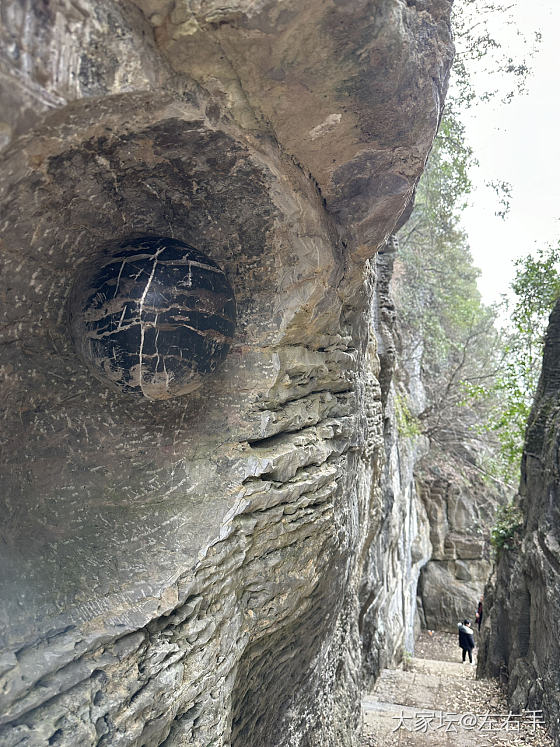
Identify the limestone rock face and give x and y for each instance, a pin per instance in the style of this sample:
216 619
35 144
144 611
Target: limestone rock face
522 629
222 566
460 512
391 623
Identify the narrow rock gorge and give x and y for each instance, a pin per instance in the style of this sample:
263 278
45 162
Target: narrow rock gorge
212 532
521 632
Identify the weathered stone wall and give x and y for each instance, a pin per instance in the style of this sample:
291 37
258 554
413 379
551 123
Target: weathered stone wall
521 632
461 511
222 567
405 538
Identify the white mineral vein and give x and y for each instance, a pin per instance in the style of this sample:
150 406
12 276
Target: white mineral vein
146 289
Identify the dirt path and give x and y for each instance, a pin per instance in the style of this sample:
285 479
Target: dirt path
438 701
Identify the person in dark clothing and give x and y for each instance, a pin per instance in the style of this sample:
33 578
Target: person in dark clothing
479 614
466 639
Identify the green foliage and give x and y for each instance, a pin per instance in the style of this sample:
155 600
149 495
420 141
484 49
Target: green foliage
439 288
407 424
509 522
536 288
479 378
444 322
503 192
503 399
494 50
407 661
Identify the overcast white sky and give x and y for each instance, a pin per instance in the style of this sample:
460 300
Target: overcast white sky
520 143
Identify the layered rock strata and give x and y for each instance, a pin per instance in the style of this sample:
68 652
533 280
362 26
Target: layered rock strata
522 629
223 567
461 512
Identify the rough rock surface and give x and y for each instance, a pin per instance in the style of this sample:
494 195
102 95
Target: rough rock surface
461 511
225 567
523 627
406 529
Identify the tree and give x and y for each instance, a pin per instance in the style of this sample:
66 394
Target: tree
536 288
443 321
492 61
483 31
476 376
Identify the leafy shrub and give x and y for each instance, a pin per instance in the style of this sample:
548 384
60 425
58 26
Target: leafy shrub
509 521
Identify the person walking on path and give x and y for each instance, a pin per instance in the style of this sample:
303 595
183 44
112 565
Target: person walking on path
478 617
466 639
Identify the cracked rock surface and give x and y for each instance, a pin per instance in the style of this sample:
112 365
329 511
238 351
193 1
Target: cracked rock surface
226 567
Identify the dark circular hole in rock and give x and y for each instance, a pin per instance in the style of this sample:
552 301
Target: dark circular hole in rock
153 317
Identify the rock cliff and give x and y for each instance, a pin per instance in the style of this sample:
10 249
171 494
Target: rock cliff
522 629
227 566
461 511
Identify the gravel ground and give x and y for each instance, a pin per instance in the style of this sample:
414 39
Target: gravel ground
437 655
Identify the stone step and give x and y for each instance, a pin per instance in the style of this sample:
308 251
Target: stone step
426 704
